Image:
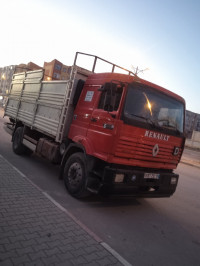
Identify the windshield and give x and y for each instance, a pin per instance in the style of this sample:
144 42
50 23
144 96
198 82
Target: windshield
145 105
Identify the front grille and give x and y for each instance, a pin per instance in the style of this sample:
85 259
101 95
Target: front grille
141 149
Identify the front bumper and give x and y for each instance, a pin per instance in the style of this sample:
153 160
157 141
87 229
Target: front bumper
136 184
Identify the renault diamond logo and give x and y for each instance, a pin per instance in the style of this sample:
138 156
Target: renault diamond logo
155 150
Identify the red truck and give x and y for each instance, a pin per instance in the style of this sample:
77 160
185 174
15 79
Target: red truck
110 132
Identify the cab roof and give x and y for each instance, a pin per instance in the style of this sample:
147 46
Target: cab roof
101 78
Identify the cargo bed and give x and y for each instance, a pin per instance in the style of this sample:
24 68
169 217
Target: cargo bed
42 105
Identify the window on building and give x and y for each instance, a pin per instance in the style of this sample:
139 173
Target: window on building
57 67
56 75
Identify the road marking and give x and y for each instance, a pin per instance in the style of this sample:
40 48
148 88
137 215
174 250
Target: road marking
83 226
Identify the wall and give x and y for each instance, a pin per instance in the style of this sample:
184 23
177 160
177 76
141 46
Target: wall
194 142
192 122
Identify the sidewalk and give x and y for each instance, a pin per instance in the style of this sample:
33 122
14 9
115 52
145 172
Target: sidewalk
191 157
34 231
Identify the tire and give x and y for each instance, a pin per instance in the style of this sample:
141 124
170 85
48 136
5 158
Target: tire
17 144
75 176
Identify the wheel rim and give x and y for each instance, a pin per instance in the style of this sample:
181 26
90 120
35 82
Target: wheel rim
75 175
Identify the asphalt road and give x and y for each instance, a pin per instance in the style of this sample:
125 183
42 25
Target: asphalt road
143 231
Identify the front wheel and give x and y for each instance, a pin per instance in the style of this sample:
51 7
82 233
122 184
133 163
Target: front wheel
75 176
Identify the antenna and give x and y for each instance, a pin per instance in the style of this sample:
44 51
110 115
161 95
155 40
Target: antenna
136 70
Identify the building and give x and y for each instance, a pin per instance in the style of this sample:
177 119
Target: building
55 70
192 123
65 72
7 72
26 67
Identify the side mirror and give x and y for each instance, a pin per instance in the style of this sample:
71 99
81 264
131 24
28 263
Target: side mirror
106 87
101 88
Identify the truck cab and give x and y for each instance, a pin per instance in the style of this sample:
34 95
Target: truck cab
133 130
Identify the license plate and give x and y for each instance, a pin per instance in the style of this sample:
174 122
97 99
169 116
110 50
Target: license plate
151 176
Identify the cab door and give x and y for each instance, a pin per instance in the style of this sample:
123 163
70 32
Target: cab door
102 129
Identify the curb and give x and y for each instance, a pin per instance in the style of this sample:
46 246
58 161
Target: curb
190 163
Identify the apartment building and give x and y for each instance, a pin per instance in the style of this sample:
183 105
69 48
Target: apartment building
55 70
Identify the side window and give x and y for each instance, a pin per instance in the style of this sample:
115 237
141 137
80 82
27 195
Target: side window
117 99
102 100
110 97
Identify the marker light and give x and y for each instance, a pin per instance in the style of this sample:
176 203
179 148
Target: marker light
176 151
62 148
133 178
119 178
173 181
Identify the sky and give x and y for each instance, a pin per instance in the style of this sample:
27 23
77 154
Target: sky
160 37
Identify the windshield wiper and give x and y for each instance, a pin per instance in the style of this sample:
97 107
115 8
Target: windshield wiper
148 119
168 125
173 127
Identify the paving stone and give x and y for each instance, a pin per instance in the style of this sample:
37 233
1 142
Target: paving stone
33 231
8 255
39 247
79 261
66 256
91 257
104 262
4 240
6 262
26 250
78 245
90 249
51 260
37 255
20 259
26 243
37 262
78 252
2 248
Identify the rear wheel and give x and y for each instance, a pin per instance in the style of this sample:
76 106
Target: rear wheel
75 176
17 145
